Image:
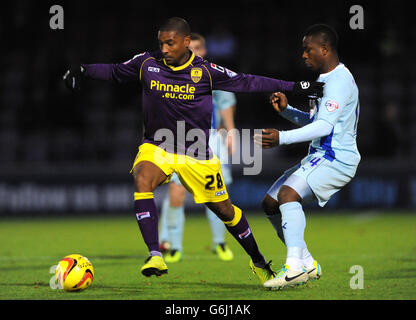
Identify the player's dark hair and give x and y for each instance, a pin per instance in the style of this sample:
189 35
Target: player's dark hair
197 37
176 24
327 33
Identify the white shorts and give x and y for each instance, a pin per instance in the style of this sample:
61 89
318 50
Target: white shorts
315 178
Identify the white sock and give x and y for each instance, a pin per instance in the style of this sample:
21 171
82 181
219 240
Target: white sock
307 258
294 258
293 224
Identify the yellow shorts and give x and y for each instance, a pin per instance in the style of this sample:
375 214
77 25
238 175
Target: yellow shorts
202 178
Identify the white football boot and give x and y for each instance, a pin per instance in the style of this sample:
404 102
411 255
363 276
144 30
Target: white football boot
287 277
315 271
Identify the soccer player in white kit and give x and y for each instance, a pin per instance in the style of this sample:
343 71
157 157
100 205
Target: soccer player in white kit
332 160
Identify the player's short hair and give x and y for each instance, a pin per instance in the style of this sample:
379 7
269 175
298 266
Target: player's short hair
176 24
327 33
197 37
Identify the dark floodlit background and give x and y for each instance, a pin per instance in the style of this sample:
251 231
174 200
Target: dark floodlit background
62 153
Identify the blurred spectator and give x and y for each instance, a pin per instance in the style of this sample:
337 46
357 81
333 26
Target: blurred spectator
221 44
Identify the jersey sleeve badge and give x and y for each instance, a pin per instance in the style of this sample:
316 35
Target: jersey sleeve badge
230 73
331 105
217 67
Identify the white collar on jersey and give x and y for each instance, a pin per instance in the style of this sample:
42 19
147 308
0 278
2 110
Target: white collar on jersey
323 75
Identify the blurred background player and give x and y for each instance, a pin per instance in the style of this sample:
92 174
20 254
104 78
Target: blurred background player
332 160
172 213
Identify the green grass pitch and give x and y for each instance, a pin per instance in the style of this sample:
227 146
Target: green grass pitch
382 243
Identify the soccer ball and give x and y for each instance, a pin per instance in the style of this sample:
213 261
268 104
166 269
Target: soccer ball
74 273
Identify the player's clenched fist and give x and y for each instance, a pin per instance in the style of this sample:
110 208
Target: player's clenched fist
312 89
73 77
278 101
268 139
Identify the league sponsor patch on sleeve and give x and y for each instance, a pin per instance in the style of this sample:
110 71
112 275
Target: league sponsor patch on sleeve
217 67
331 105
230 73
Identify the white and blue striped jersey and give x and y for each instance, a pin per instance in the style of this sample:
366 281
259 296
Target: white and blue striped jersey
340 107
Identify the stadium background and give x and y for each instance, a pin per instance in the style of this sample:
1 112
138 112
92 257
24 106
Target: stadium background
61 153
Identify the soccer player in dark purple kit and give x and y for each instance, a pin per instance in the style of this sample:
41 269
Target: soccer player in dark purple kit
176 91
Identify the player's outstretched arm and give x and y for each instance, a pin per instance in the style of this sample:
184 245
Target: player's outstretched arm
311 89
122 72
272 138
227 80
76 75
296 116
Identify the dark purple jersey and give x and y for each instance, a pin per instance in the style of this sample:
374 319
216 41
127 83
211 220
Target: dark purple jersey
179 99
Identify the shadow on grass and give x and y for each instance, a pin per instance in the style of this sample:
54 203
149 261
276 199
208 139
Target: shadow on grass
116 257
33 284
166 290
405 273
407 259
21 265
26 267
183 284
219 285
